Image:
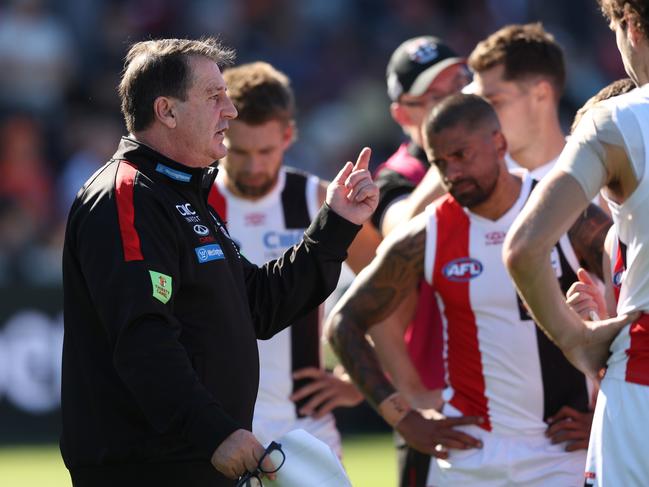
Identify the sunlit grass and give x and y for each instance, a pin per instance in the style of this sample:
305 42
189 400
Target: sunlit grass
369 459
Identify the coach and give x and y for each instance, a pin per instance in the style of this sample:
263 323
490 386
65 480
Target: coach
162 313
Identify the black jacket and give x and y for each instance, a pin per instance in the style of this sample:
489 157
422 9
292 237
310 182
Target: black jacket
162 314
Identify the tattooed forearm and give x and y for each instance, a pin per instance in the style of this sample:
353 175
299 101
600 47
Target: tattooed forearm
374 295
359 359
587 237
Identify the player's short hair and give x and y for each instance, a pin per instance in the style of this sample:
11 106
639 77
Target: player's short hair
260 93
615 88
161 68
525 51
614 10
470 111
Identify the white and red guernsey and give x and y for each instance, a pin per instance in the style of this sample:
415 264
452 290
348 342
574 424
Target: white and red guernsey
499 364
629 360
264 229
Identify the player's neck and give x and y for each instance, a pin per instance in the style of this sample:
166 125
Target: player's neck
506 193
639 69
545 146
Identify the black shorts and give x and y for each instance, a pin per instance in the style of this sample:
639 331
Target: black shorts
413 465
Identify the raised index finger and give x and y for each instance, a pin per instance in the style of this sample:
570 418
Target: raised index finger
363 160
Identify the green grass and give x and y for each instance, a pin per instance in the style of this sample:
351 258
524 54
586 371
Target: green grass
369 459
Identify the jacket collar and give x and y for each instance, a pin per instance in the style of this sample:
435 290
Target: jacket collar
161 168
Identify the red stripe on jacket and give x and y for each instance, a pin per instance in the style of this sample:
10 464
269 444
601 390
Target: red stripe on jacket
217 201
464 359
124 185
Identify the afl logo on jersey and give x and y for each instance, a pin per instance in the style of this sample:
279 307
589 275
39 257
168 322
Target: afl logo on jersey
462 270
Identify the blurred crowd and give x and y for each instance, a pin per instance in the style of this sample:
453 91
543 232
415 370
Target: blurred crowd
60 62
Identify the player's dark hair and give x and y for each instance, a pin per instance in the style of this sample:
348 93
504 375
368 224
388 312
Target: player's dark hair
470 111
526 51
161 68
260 93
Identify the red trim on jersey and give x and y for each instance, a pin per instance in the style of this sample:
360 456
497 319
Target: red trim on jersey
217 201
425 340
464 360
124 184
637 367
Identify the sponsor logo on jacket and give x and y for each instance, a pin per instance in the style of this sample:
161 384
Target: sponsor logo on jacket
207 253
188 213
462 269
173 173
201 230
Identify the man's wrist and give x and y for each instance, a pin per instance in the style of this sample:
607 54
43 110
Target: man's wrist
394 408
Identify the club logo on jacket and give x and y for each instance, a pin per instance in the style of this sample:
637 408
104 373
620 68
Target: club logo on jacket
462 270
162 286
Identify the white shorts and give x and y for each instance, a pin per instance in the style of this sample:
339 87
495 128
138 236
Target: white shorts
505 460
618 452
269 429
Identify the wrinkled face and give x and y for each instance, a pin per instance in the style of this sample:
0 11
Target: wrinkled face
255 155
468 160
513 103
203 117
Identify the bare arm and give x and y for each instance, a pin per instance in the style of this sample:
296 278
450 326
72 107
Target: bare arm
554 205
388 339
587 237
375 294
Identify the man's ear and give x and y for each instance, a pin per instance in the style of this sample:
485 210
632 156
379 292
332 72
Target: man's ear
400 114
500 143
290 135
632 22
164 111
543 91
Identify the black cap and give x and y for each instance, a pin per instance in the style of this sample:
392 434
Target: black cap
416 63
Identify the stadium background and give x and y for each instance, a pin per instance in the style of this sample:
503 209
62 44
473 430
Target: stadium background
59 120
